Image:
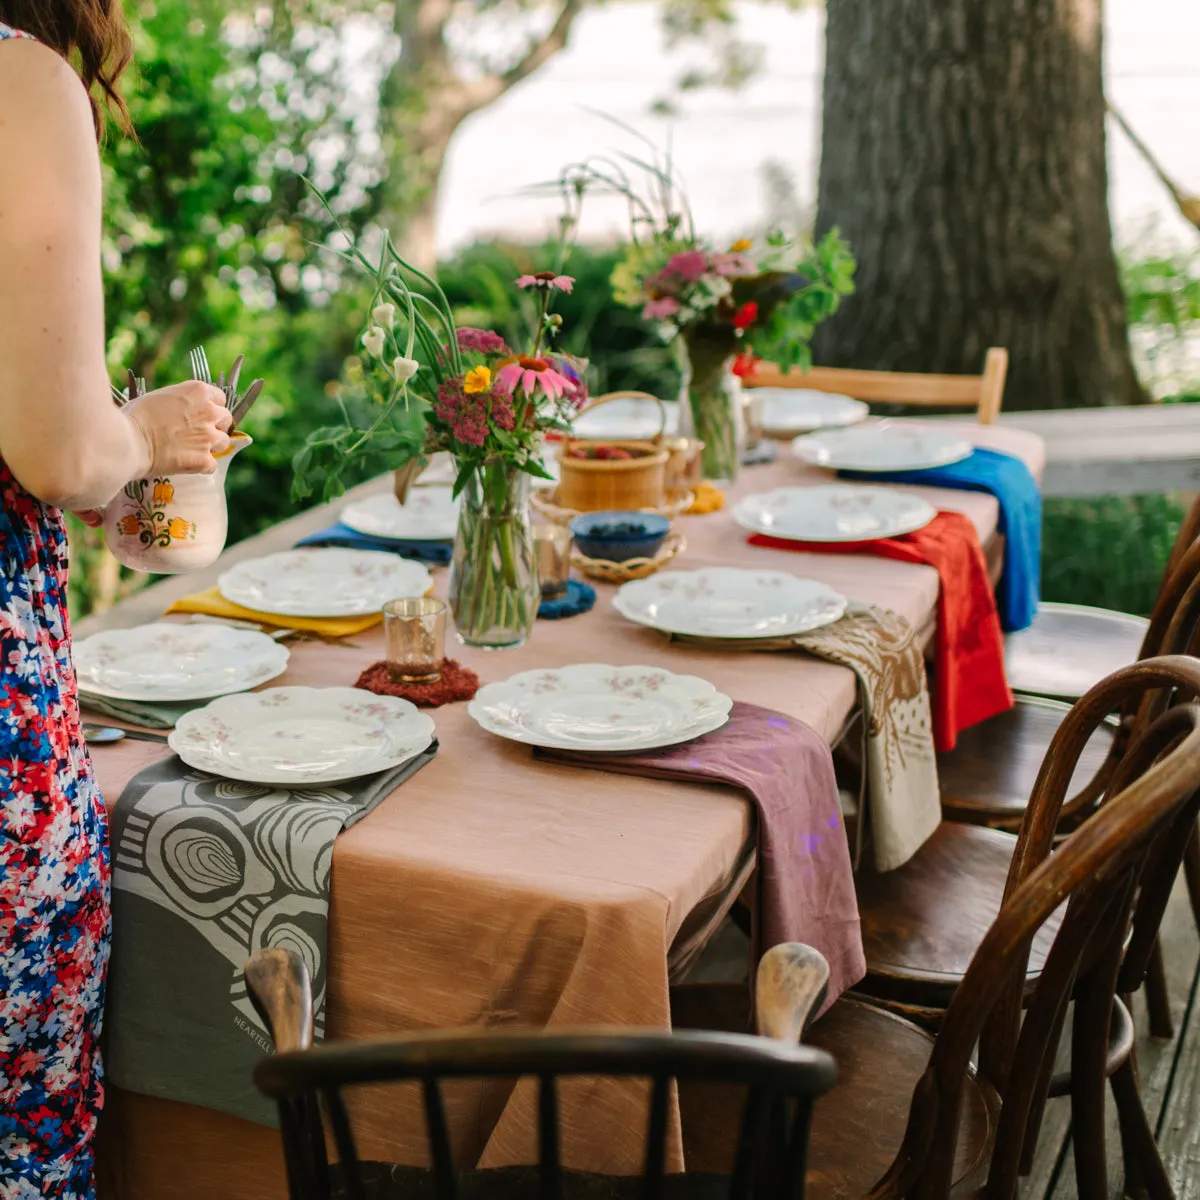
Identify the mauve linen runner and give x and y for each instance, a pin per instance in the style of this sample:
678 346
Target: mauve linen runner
805 884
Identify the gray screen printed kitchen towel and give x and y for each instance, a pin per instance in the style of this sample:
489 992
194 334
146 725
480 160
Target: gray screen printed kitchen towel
205 871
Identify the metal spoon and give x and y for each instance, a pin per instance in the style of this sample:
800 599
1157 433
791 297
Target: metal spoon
107 735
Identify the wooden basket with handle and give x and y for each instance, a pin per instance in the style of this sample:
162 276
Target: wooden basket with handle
615 484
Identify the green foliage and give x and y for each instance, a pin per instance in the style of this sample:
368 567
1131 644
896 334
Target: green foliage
1163 290
209 230
1110 552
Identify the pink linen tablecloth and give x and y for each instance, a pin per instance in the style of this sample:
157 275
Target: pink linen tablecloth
494 889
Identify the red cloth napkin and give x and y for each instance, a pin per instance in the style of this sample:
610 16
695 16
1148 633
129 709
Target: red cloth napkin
969 680
805 883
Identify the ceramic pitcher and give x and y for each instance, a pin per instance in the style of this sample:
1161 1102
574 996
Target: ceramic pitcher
166 526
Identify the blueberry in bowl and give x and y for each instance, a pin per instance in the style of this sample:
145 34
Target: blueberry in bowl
619 536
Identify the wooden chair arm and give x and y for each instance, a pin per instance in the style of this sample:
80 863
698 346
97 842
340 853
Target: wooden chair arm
790 985
281 993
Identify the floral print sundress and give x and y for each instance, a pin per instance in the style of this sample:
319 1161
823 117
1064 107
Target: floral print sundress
54 869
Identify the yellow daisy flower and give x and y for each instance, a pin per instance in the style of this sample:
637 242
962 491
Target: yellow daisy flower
477 379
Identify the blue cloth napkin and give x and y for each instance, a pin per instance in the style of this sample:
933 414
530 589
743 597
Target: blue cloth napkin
1013 485
436 553
580 598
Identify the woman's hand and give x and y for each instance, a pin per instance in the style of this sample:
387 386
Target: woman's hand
183 426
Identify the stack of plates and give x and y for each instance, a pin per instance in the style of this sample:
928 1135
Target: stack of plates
886 446
430 514
301 736
593 707
169 663
786 412
323 582
833 513
729 602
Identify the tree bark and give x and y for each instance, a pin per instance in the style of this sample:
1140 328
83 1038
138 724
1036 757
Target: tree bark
963 156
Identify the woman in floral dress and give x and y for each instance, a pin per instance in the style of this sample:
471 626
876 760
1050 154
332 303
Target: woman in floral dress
63 444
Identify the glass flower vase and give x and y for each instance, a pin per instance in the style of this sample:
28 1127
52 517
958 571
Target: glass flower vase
710 407
494 592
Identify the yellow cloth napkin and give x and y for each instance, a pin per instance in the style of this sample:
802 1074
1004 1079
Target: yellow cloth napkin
706 499
213 604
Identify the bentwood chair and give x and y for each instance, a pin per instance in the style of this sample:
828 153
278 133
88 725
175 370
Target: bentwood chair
781 1080
984 393
911 1116
1069 647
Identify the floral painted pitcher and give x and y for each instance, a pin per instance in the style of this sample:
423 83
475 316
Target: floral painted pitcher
169 526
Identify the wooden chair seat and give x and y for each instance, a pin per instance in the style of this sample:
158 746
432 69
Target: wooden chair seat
857 1128
922 923
1069 648
988 777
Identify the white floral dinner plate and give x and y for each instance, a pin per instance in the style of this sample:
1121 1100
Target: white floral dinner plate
789 411
323 582
429 514
837 512
169 662
885 446
301 736
729 602
628 420
590 706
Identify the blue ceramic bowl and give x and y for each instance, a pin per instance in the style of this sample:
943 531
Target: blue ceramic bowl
620 536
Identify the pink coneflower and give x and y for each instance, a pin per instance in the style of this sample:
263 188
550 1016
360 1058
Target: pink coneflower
531 373
731 265
480 341
664 306
547 281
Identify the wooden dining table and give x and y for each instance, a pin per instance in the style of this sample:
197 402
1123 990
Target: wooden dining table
495 889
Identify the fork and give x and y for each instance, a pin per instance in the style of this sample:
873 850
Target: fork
199 361
120 399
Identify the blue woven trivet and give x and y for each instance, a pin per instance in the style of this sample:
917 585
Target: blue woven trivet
580 598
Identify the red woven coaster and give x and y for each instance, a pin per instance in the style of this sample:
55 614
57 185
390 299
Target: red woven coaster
456 683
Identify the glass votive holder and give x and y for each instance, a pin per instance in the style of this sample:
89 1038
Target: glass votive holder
414 630
552 544
753 410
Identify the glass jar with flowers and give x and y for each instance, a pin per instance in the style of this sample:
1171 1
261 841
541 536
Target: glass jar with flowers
436 387
722 311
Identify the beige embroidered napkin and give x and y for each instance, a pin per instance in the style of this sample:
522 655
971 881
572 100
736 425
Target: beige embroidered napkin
900 801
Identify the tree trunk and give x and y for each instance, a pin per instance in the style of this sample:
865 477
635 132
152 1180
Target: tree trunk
963 156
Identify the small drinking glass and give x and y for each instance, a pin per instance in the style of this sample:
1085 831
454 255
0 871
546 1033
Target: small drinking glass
415 632
552 544
754 418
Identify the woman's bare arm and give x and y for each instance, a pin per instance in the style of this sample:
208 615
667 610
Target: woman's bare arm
60 433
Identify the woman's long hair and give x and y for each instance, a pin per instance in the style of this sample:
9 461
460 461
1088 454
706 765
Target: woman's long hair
91 34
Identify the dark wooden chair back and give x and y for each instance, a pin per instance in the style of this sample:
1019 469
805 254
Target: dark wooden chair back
1174 629
1096 873
782 1080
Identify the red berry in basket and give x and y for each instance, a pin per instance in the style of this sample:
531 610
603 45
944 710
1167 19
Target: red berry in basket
620 452
580 452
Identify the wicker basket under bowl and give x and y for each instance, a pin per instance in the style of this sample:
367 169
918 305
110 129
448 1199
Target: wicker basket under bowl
634 568
609 485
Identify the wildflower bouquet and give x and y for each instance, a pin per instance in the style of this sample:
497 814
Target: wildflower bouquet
423 385
722 310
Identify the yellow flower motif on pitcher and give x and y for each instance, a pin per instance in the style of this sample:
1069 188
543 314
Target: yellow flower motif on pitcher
129 525
476 380
178 528
164 492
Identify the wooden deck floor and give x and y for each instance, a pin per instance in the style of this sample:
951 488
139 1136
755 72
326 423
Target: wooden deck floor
1170 1071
